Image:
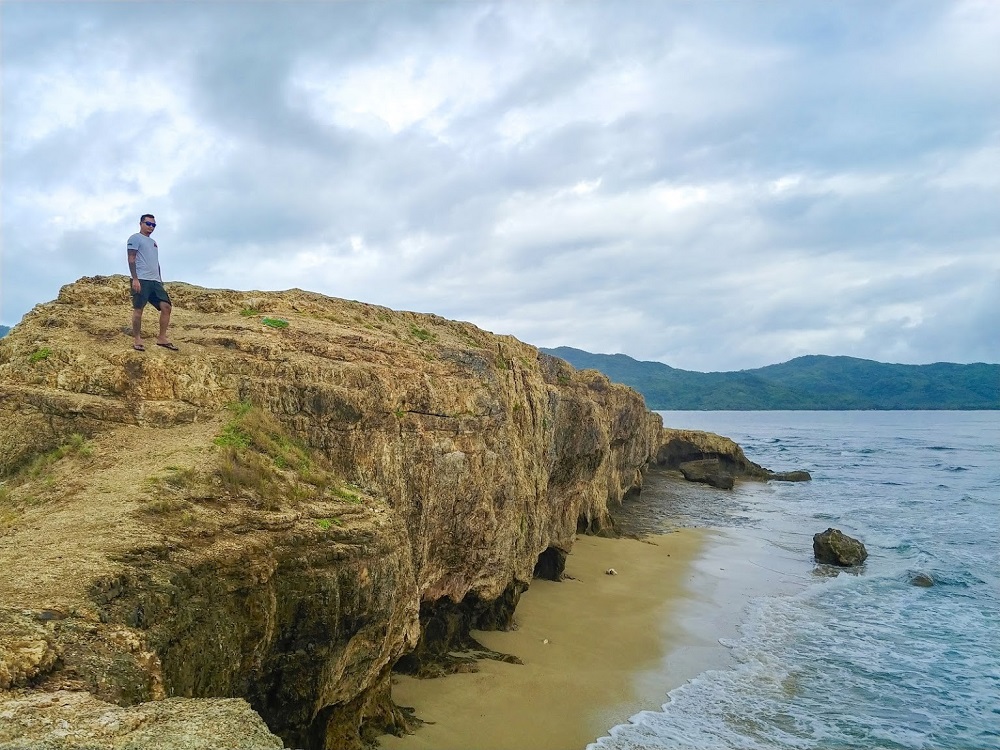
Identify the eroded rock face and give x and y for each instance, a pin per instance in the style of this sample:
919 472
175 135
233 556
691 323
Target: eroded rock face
29 650
834 547
475 458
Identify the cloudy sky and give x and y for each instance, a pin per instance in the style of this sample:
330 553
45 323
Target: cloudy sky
716 185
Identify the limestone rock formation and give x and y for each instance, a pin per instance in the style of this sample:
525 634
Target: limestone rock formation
710 471
69 719
834 547
714 460
280 513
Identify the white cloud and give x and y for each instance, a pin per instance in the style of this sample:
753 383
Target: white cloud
716 185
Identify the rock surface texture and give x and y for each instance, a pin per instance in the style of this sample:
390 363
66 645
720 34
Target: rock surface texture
310 492
714 460
834 547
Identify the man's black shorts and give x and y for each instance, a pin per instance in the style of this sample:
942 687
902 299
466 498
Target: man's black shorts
151 292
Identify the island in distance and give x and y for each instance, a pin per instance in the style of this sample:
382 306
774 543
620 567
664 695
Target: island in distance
812 382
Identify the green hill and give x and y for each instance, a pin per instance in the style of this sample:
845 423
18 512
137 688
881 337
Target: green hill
3 331
812 382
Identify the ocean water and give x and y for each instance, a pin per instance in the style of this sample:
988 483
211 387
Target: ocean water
861 659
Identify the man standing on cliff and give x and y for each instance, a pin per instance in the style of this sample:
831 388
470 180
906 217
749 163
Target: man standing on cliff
147 284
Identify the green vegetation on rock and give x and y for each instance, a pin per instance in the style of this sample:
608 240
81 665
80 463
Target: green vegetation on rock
260 459
74 445
809 383
422 333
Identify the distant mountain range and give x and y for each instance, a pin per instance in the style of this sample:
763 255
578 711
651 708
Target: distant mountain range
3 331
812 382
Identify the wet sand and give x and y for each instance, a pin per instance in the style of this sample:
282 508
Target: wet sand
596 648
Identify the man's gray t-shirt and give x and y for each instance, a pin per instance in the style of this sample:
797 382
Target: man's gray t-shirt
147 256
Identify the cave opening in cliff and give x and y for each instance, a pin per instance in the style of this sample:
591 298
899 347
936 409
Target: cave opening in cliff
551 564
446 644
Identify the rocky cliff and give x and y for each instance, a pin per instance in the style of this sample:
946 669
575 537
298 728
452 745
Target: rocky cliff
310 493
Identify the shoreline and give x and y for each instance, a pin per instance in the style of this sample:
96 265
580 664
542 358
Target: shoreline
616 645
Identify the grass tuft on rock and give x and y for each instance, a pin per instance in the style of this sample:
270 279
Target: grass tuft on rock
75 445
260 460
422 334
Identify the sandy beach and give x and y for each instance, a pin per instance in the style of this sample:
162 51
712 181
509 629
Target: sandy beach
596 648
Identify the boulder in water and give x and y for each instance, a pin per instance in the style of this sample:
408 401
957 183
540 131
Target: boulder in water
836 548
791 476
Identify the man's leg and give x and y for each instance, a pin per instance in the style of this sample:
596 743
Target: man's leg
164 321
137 326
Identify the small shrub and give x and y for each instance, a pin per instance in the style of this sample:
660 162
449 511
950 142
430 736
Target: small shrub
300 492
318 478
165 505
422 333
233 436
326 523
245 470
40 354
274 322
249 312
76 444
240 408
180 478
345 494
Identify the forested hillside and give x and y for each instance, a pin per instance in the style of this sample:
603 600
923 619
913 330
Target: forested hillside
811 382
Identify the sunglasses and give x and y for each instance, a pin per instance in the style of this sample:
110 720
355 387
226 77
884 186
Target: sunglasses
150 224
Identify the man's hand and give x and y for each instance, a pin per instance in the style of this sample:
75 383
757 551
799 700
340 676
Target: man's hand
136 286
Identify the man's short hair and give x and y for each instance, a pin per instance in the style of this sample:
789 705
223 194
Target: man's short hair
146 216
